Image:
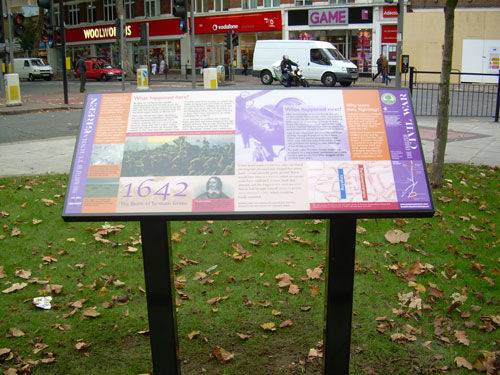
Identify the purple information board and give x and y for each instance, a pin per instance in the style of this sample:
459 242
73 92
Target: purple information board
230 153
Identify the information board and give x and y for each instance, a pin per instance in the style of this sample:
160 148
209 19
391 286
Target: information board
209 153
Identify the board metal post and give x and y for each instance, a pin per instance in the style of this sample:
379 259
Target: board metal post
159 292
338 300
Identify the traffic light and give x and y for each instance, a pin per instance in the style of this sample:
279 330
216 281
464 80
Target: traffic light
144 34
57 36
49 21
228 40
180 11
117 27
18 24
235 39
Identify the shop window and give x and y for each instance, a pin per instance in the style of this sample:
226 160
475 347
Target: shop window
202 6
109 10
249 4
74 14
271 3
91 12
221 5
151 8
129 8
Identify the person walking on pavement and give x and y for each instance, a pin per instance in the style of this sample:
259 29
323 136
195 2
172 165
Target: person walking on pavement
244 61
380 63
385 71
81 67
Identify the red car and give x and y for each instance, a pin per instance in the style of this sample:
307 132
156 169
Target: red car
100 70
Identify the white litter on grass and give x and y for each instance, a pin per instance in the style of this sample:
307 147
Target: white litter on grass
42 302
211 269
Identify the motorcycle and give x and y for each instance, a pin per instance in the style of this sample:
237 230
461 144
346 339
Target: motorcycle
297 79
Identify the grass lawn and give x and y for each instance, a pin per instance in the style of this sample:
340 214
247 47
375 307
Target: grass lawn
250 294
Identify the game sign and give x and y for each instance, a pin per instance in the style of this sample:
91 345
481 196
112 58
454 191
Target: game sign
243 152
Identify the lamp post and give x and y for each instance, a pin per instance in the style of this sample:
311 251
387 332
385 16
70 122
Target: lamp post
399 44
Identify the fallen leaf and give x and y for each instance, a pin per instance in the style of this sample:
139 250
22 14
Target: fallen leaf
268 326
461 337
315 291
283 279
314 274
15 287
90 312
462 362
14 332
243 336
396 236
293 289
193 334
286 323
223 356
81 346
22 273
217 300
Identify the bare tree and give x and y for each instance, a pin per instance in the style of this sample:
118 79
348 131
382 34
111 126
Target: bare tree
127 69
437 174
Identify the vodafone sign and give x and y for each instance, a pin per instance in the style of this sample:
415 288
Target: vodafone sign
266 21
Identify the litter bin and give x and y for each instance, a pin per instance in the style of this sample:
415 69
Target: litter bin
210 78
12 89
142 78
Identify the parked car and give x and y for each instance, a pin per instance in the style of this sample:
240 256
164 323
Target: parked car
100 70
31 68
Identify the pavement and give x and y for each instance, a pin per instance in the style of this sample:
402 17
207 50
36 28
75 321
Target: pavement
471 140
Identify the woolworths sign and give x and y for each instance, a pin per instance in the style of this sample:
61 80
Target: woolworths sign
105 32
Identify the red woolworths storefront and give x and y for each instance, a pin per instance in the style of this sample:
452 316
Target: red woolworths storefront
165 37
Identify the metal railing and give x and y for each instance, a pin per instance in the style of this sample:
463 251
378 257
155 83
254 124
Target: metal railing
466 99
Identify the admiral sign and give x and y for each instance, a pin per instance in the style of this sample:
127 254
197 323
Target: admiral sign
390 11
332 16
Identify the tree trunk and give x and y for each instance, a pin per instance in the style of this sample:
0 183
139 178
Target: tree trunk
127 68
437 174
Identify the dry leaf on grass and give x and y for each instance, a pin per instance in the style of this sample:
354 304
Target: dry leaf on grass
223 356
314 274
397 236
294 289
283 280
462 362
15 287
268 326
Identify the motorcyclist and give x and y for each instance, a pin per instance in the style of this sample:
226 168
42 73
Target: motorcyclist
286 68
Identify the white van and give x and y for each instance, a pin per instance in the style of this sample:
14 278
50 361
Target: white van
31 68
318 60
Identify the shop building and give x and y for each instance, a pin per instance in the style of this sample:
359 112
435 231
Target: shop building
360 30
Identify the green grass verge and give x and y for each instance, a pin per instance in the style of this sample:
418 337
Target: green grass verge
428 304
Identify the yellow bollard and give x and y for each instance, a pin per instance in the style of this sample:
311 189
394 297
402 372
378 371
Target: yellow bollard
142 79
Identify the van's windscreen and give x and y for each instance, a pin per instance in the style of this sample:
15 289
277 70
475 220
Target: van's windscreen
37 63
335 54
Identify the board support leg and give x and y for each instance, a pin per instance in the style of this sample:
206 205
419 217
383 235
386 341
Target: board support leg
338 300
160 297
